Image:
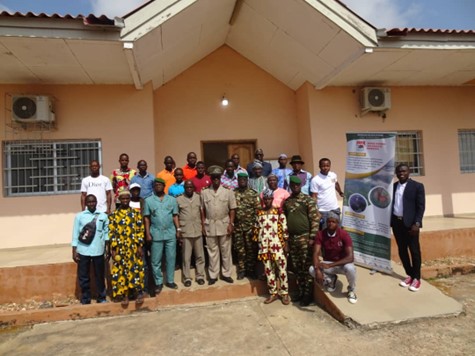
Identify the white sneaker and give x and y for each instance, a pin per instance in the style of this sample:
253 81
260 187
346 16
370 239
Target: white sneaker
330 285
352 297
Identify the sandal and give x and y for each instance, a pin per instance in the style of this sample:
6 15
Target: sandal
271 299
285 299
125 302
139 300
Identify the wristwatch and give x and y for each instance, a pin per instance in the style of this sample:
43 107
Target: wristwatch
418 224
179 229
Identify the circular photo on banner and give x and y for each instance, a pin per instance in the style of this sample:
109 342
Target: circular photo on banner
379 197
357 202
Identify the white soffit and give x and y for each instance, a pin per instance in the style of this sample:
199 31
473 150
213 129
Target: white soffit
295 42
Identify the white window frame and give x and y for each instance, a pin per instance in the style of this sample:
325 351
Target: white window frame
47 167
466 139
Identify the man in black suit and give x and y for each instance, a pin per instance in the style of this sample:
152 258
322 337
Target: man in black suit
406 220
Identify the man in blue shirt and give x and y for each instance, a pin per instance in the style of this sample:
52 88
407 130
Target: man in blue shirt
144 179
84 254
177 188
161 226
282 172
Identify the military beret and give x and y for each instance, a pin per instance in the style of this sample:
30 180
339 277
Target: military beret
160 180
215 171
295 179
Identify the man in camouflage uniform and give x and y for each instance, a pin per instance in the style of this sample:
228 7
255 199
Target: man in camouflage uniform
302 222
247 201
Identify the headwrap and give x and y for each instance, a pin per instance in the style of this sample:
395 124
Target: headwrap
256 165
332 215
268 193
124 192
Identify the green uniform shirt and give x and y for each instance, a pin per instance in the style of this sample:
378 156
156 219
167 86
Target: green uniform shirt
302 215
248 203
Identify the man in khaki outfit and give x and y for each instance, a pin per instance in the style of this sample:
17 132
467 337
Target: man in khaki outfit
190 231
218 206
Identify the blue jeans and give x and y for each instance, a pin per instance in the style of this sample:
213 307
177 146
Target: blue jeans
170 256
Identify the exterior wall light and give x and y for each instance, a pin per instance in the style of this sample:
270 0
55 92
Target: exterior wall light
224 101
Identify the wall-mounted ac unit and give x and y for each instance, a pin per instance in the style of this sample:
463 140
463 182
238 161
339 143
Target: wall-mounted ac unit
32 108
375 99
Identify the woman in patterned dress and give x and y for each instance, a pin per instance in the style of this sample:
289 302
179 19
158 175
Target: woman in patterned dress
126 235
271 235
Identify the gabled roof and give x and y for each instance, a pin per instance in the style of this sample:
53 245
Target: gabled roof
319 41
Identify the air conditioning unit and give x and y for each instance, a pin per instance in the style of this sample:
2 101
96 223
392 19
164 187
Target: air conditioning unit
375 99
32 108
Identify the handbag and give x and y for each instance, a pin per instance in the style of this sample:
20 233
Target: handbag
88 232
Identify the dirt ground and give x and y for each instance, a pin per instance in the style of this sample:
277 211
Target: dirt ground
249 327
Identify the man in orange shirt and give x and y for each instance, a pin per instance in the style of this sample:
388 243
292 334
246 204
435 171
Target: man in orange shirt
189 169
168 174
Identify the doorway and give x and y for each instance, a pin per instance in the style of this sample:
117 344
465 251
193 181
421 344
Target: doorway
217 152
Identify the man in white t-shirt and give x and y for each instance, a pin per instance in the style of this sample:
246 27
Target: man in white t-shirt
323 188
98 185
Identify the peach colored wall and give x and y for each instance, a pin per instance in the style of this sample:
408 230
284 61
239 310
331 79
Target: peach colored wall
121 116
188 110
437 112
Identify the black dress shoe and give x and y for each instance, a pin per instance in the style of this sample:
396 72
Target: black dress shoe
172 285
227 279
240 276
305 301
212 281
187 283
296 298
252 276
200 282
158 289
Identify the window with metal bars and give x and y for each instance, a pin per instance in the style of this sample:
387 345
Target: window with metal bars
47 167
409 151
467 150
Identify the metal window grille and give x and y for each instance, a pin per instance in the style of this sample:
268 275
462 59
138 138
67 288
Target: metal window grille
467 150
409 151
47 167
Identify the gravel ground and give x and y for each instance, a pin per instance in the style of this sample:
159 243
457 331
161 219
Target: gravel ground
251 328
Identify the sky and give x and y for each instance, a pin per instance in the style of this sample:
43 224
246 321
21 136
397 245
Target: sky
436 14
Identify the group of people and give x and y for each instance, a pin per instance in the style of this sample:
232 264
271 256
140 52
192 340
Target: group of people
241 215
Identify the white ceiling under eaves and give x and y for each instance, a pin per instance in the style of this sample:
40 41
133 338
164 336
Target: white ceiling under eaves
319 41
290 39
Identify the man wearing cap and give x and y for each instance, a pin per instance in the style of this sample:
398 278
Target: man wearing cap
282 172
245 249
161 226
305 177
336 247
258 182
259 158
144 179
302 223
218 208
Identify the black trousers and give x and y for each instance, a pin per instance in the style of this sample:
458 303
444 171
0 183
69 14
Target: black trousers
84 266
408 247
